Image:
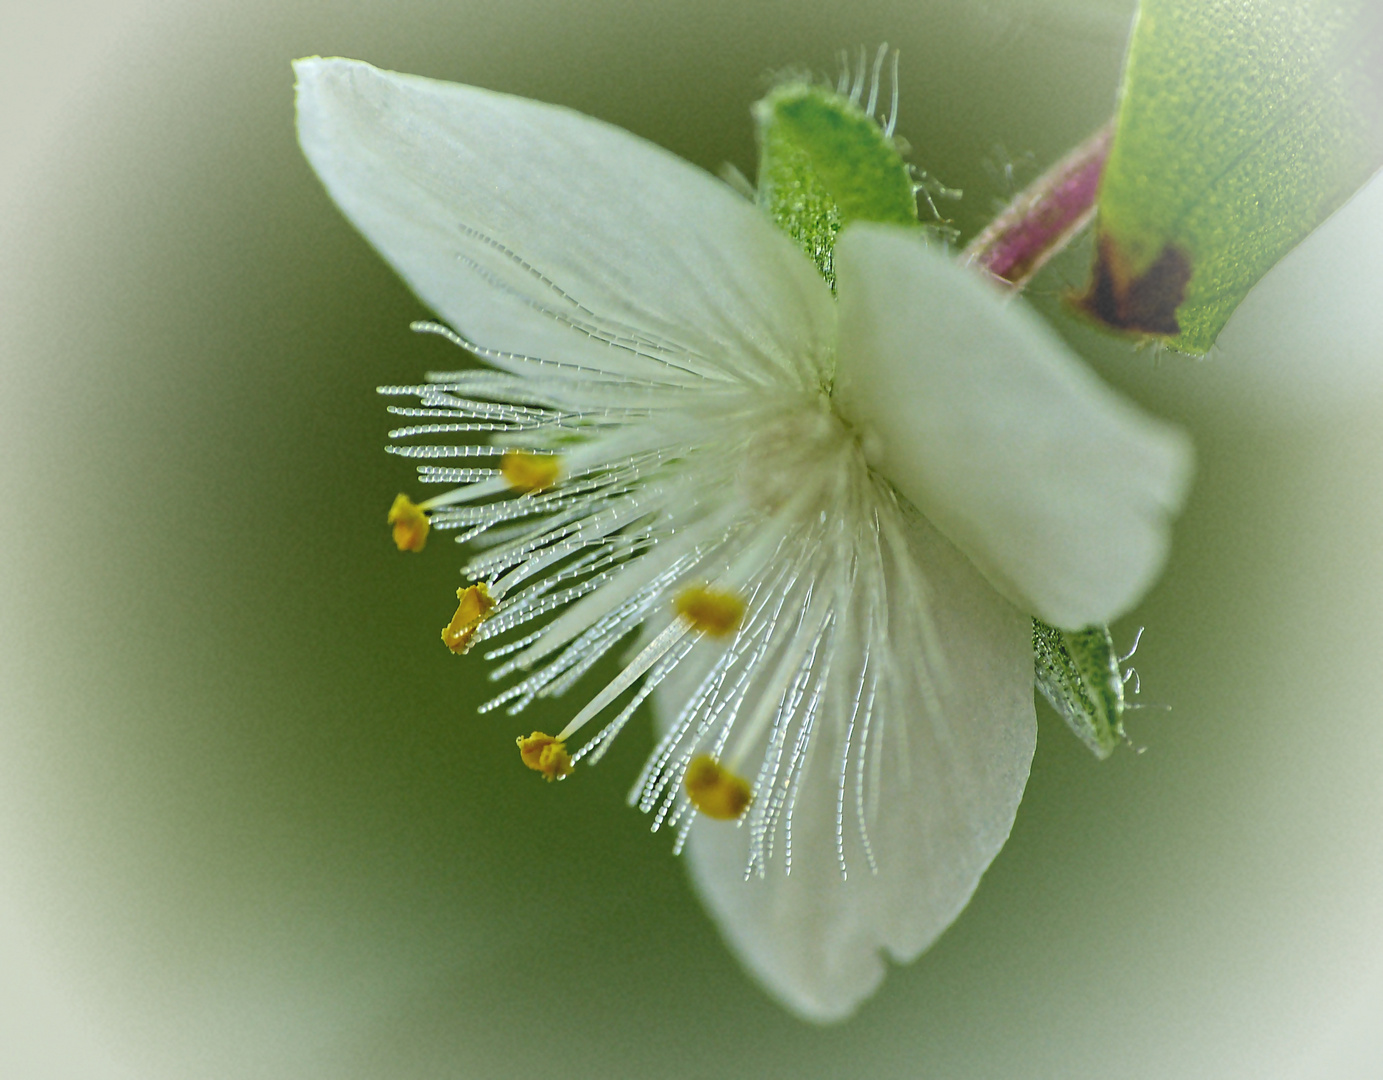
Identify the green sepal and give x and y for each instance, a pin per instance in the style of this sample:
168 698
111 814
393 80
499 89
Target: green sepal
1078 672
823 163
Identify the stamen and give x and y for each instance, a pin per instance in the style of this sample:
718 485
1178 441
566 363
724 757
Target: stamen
544 754
608 538
654 651
715 791
717 612
410 524
474 608
530 472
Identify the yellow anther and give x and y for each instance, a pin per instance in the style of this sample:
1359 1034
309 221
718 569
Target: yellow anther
713 611
530 472
410 524
715 791
544 754
474 609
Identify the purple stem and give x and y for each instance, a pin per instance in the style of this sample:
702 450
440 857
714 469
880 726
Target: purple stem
1045 216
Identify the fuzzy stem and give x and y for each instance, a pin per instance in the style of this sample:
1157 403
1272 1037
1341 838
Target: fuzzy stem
1045 217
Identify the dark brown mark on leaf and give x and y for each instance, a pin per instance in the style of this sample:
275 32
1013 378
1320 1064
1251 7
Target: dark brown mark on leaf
1141 304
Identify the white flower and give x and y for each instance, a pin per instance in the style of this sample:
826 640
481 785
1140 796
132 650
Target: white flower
832 521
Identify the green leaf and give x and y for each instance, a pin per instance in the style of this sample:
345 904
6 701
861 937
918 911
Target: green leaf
1078 672
1242 125
824 163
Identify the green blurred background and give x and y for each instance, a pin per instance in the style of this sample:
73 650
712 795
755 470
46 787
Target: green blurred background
250 825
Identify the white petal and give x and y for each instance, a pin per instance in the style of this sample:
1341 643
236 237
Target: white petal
1058 489
948 786
535 230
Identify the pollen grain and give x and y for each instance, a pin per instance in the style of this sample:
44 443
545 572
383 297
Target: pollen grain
716 791
410 524
546 755
474 608
530 472
717 612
